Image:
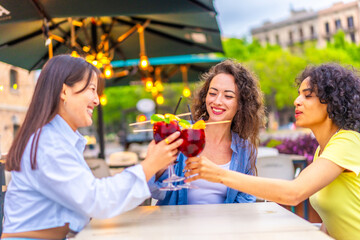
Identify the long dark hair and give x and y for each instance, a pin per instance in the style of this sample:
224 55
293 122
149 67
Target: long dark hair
249 117
62 69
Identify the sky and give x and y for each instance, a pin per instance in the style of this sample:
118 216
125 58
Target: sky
237 17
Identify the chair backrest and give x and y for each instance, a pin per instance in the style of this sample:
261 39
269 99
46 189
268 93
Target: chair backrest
123 159
267 152
139 149
98 167
2 190
7 177
280 166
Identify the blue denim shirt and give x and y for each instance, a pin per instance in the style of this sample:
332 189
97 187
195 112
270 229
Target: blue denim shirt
240 162
62 188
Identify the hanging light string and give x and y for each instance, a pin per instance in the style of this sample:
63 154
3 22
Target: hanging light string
100 55
184 72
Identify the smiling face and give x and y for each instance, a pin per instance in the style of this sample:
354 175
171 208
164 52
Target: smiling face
309 111
78 107
221 99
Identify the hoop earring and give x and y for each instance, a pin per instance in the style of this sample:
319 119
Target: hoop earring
64 102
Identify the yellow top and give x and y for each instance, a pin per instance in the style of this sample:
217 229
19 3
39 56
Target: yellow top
338 204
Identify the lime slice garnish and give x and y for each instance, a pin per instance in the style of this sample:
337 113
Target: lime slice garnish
171 117
184 124
157 118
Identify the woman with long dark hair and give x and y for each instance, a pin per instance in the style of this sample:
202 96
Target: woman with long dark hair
328 104
53 192
229 92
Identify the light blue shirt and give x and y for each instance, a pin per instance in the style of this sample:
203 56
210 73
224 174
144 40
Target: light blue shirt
62 188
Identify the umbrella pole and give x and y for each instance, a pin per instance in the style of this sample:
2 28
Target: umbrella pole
100 129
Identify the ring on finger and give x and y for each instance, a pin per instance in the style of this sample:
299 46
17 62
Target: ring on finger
167 141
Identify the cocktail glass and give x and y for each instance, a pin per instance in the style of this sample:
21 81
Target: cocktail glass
162 130
192 146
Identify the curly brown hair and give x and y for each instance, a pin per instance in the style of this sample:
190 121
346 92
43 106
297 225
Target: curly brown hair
339 88
249 117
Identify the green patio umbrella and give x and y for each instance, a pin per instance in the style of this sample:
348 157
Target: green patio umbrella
175 27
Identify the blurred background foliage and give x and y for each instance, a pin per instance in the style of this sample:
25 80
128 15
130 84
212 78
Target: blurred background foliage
275 67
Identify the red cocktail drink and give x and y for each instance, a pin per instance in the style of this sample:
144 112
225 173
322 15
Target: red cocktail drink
194 142
162 130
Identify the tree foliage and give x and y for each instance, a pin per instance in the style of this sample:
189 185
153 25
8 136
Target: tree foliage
125 97
277 68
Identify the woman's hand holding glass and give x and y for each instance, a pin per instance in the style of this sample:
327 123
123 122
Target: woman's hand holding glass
161 155
202 168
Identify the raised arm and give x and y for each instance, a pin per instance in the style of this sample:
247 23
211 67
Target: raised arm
316 176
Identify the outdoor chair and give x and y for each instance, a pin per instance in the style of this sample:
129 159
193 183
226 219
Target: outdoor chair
267 152
7 177
139 149
98 167
123 159
280 167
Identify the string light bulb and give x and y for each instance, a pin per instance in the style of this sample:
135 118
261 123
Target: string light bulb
141 118
103 100
154 91
144 62
148 84
75 54
186 92
1 88
160 99
86 49
159 85
108 71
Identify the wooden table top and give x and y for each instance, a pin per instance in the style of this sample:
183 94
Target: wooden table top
247 221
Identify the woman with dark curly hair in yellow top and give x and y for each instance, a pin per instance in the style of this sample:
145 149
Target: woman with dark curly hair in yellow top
228 92
328 104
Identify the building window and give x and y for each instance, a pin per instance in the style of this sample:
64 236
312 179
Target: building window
301 34
15 129
14 81
337 24
16 124
352 36
291 40
327 28
277 39
350 21
312 32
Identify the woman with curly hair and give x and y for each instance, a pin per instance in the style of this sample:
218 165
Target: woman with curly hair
328 104
229 92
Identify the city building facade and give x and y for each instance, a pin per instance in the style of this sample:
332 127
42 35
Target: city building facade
16 89
317 26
